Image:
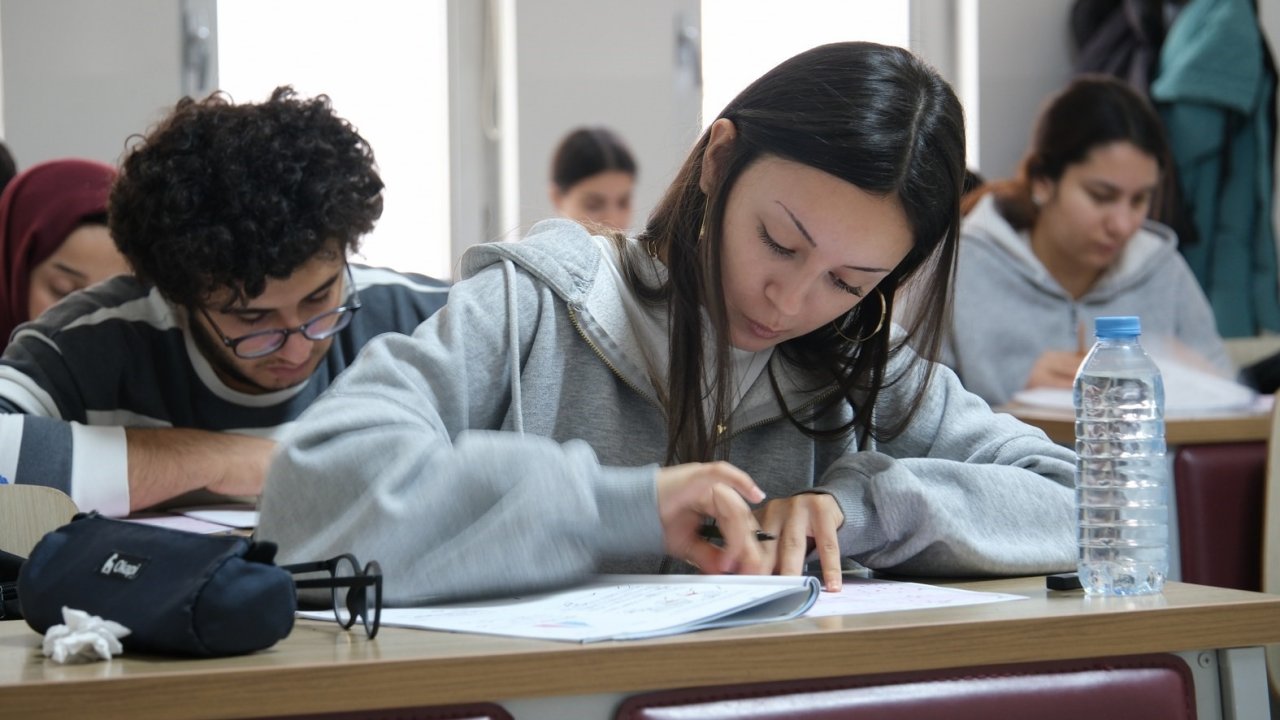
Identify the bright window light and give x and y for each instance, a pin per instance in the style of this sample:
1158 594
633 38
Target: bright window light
384 65
742 39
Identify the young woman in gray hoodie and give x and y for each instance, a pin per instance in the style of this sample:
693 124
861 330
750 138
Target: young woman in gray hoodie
585 401
1069 240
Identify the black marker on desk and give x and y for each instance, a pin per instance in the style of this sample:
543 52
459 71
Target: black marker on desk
712 532
1063 581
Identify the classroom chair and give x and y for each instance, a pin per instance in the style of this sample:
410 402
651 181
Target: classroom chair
27 512
1140 687
1219 490
467 711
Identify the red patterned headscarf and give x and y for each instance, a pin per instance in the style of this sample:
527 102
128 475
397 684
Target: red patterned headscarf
38 210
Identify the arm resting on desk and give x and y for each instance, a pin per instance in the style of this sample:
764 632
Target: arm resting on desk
115 470
961 491
167 462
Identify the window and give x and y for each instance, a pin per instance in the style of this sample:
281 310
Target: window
384 66
742 39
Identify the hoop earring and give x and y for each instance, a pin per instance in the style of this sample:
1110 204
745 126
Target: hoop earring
884 310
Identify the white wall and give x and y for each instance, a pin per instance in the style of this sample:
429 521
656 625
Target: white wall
591 62
80 76
1022 53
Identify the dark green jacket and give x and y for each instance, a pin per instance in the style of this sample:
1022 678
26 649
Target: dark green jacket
1215 93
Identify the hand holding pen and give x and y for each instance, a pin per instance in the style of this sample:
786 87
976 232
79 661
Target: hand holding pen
711 532
1057 368
692 494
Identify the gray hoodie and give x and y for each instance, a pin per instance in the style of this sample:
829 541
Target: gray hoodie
511 444
1009 309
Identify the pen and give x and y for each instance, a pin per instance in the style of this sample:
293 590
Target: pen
712 532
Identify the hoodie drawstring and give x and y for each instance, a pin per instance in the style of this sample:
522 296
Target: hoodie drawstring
513 337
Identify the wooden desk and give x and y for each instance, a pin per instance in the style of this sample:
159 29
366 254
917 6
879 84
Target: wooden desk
320 668
1060 426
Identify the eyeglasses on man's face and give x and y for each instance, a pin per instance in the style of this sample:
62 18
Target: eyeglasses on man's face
356 591
321 327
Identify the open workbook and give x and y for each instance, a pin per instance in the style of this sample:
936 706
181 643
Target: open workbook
622 607
625 607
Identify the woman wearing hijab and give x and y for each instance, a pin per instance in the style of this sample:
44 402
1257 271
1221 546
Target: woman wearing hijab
54 235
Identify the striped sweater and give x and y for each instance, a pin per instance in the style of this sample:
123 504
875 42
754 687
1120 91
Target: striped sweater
119 355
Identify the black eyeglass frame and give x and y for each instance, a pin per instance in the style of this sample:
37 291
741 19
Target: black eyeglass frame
345 312
357 584
8 593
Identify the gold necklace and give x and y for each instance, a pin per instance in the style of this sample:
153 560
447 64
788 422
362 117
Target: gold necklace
738 394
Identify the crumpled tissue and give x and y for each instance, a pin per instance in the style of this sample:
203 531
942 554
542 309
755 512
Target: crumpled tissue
83 638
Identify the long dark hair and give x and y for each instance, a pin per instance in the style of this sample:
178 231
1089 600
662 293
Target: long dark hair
589 151
873 115
1092 111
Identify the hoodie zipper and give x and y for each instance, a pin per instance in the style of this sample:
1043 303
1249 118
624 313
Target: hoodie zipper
573 318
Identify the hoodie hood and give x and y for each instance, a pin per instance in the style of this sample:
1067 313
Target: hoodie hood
1145 253
562 255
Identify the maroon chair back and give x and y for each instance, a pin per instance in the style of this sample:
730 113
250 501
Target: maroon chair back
468 711
1220 495
1142 687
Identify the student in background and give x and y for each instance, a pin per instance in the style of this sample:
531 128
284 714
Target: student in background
585 402
1068 240
593 177
53 228
237 221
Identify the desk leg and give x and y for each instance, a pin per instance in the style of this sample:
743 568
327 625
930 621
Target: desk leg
1243 674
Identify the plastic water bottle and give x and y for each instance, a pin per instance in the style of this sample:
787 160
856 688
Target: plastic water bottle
1121 473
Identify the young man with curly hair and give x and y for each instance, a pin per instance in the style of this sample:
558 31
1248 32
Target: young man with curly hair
237 221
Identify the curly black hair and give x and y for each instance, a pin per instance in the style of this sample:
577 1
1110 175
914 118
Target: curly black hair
220 196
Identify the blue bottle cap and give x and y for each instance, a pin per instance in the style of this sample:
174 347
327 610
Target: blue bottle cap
1114 327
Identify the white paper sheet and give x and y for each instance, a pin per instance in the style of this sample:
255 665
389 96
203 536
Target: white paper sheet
234 516
1188 392
864 595
204 519
179 522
